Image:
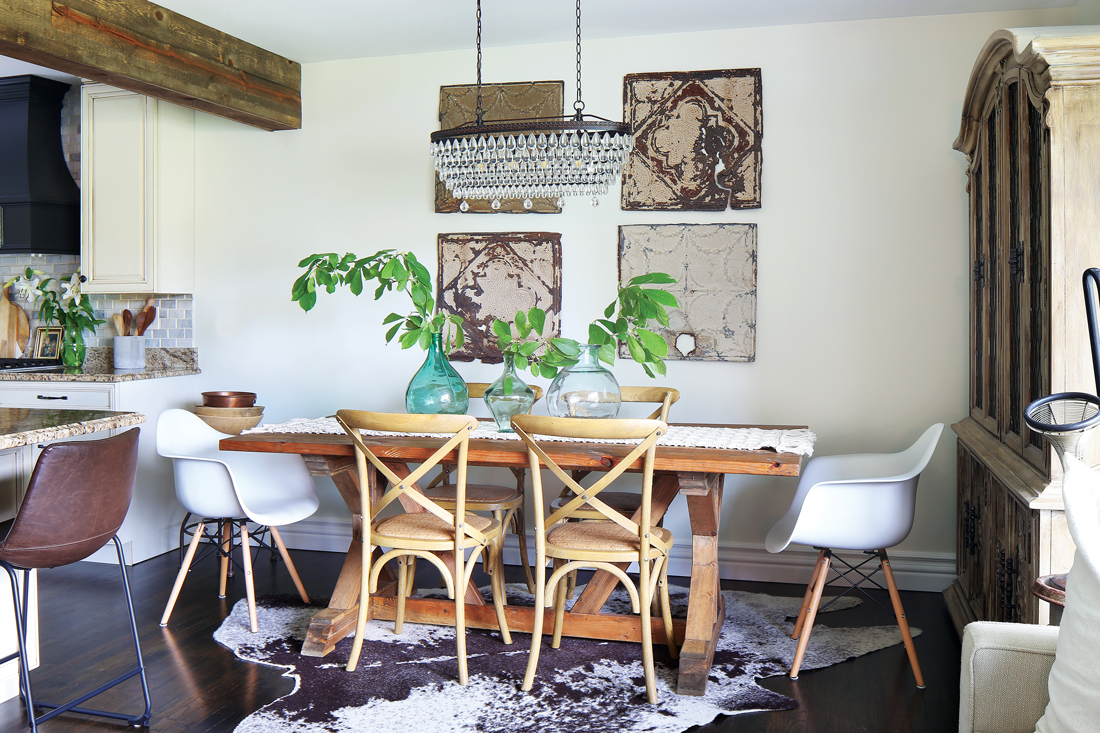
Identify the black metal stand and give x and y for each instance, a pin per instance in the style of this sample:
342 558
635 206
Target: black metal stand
72 706
855 570
215 542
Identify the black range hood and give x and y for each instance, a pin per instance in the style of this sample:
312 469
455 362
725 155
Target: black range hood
39 202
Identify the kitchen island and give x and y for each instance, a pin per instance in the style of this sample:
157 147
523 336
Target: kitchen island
169 379
21 429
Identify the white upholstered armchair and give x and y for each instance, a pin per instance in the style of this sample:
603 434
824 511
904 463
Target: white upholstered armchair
1003 686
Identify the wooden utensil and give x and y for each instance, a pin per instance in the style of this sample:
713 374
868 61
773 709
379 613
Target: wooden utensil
119 326
127 321
139 323
150 314
15 328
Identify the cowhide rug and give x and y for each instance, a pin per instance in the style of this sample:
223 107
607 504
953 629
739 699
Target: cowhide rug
409 682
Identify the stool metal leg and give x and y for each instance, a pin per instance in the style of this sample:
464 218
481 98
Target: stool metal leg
74 705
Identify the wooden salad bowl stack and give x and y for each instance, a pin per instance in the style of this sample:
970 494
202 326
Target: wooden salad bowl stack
229 412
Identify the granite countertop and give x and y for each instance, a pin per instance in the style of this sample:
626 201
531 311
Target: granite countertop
99 367
21 426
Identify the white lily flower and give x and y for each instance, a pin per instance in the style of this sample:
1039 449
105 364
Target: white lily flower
27 288
70 290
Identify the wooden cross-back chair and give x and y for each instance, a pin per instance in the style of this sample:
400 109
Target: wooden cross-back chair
424 533
625 502
504 502
597 544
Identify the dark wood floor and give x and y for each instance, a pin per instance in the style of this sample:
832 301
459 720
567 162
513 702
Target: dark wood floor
199 686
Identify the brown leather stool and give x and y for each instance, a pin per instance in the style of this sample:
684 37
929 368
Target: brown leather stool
77 498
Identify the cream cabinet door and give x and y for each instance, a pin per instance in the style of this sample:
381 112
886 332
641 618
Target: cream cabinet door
137 193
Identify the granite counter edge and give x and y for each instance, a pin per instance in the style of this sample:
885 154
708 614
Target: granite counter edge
122 420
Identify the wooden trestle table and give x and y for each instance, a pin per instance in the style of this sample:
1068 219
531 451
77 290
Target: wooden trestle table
697 473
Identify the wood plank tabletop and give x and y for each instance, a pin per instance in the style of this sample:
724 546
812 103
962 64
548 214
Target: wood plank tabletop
512 454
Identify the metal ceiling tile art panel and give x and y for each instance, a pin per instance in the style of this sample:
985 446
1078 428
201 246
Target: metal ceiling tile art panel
487 276
697 138
513 101
715 269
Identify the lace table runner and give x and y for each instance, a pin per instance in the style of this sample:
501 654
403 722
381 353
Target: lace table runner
799 442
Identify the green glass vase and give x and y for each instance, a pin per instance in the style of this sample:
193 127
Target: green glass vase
72 348
508 396
436 388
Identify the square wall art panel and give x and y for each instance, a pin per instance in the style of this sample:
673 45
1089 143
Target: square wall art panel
715 269
513 101
697 140
487 276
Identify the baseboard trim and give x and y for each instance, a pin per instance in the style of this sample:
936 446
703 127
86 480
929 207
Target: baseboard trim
932 572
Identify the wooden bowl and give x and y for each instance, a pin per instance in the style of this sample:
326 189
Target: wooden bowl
228 411
228 399
232 425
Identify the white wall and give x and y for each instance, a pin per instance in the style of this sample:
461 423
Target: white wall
862 305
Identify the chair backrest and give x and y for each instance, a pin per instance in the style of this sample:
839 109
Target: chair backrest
401 487
477 390
663 396
77 497
863 501
528 427
204 485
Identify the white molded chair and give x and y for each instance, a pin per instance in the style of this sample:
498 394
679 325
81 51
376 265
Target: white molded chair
862 502
232 488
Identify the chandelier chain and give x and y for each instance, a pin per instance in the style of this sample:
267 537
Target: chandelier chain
578 105
480 111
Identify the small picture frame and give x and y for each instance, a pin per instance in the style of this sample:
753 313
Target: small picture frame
47 342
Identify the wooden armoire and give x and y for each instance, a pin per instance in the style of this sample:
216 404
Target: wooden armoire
1031 133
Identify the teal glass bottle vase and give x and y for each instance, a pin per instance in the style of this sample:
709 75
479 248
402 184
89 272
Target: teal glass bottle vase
508 396
586 389
436 388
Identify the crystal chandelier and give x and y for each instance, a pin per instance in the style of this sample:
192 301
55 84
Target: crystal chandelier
543 157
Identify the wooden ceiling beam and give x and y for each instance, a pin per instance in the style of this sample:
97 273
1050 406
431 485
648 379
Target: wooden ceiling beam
142 47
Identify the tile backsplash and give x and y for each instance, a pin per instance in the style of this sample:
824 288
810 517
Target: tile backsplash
174 326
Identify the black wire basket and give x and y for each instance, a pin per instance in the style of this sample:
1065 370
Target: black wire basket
1067 418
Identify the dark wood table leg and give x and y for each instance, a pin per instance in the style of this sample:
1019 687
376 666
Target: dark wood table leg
706 610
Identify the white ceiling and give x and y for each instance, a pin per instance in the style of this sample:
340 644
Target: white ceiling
327 30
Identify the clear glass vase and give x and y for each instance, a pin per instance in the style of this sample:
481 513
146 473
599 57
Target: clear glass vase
72 348
437 389
508 396
586 389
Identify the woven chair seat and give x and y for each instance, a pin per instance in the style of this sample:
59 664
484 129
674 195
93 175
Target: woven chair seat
425 526
475 494
624 502
603 536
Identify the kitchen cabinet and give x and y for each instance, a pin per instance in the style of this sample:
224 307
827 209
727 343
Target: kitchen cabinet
152 525
137 184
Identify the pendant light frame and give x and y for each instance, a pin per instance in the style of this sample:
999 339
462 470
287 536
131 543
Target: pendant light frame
548 157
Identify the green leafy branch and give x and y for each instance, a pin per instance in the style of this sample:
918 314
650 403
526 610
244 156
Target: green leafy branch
392 270
637 306
625 321
522 340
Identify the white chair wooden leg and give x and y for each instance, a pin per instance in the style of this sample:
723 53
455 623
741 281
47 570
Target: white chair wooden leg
249 589
289 564
182 574
806 598
903 624
226 530
811 614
